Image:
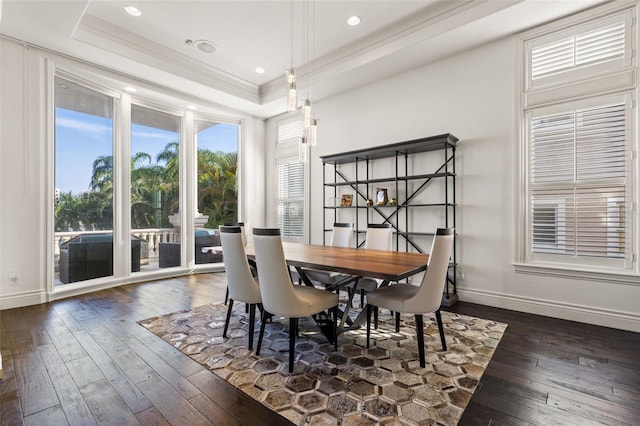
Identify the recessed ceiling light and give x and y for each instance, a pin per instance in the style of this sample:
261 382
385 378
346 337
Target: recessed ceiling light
130 89
205 46
260 70
192 107
353 21
132 10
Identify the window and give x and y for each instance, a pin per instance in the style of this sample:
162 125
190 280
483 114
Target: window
154 178
578 189
83 164
594 47
217 163
290 182
582 49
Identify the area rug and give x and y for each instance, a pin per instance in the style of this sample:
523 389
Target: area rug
353 386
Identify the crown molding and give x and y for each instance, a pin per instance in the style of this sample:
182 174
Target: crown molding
433 21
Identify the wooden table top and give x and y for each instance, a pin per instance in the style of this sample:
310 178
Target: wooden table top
386 265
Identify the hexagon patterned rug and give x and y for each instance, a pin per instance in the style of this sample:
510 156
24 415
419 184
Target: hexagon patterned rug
353 386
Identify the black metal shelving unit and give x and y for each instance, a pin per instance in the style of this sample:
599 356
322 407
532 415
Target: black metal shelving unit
397 215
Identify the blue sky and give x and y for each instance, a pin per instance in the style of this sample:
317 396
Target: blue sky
81 138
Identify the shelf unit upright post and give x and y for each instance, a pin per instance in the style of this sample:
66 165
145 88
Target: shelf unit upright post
447 171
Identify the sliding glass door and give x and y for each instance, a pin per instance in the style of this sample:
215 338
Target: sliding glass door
83 216
217 191
105 141
155 189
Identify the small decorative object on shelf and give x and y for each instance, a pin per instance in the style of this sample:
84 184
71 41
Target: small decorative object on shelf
369 203
393 202
346 200
381 196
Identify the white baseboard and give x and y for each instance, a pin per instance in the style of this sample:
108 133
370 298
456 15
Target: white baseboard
586 314
26 298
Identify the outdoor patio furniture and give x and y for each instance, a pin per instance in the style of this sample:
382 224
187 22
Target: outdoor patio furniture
89 256
169 252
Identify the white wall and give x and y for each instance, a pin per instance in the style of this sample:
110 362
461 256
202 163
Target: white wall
22 223
24 171
473 96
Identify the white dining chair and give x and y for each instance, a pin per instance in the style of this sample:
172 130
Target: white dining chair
379 237
341 236
422 299
244 242
242 286
279 296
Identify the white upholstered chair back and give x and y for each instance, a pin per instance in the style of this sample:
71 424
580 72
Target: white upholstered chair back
378 237
242 230
342 235
278 295
429 296
243 287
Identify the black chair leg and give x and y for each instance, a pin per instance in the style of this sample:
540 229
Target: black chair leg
420 336
361 298
375 317
369 308
397 315
226 296
226 323
293 327
441 330
335 328
263 322
252 322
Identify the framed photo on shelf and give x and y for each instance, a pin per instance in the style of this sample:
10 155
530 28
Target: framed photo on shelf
381 196
346 200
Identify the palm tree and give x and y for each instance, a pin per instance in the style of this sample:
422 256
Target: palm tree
217 186
170 184
145 186
68 213
102 174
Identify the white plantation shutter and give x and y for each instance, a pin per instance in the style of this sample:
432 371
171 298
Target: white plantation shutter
290 205
599 46
289 131
579 176
290 182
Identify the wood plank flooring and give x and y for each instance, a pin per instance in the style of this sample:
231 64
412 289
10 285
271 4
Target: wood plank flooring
85 360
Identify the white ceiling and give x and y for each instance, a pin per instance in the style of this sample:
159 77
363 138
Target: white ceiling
394 36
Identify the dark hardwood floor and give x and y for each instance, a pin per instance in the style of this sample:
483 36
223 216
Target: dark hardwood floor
85 360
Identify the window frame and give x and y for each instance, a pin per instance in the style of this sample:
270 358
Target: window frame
585 85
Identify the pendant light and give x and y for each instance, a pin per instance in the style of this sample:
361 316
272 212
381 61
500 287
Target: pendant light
310 123
313 132
306 112
292 97
303 149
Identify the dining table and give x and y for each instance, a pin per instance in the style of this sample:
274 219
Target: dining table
355 263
